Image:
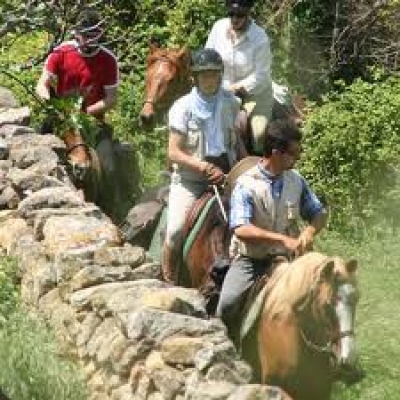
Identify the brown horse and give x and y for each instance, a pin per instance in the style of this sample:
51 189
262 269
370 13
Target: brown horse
83 164
168 78
304 340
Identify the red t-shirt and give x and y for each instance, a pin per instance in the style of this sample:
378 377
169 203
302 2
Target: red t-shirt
86 76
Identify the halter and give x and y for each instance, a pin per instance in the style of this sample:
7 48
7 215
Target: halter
327 348
76 145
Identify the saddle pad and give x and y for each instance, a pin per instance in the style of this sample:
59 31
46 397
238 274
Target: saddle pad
197 226
250 318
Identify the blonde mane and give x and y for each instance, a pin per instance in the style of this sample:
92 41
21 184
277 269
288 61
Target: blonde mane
291 283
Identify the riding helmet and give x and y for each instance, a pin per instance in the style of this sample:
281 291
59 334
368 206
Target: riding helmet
239 4
207 60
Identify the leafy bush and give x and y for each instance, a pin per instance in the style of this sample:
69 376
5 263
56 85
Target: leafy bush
352 144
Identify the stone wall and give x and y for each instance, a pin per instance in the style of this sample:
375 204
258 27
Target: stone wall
134 336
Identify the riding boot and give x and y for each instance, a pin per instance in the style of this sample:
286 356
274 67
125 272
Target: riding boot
169 264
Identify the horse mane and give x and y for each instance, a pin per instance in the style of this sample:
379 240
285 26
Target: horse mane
291 283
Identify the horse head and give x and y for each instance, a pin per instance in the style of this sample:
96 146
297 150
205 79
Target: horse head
306 333
78 154
167 78
332 301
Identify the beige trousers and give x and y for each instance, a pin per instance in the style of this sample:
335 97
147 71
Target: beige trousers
259 109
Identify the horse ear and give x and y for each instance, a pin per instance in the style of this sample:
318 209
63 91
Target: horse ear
351 265
326 272
183 52
152 46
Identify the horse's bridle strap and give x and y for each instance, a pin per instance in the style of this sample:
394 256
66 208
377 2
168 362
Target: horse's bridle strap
75 145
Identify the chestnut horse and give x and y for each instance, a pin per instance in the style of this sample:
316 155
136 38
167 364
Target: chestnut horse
168 78
304 339
82 164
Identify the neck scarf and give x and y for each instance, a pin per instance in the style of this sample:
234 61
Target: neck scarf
207 110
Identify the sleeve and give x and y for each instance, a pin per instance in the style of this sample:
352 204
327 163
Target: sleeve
242 205
310 205
52 63
211 40
260 78
177 117
111 78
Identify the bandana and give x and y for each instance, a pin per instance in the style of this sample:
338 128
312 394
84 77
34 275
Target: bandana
207 111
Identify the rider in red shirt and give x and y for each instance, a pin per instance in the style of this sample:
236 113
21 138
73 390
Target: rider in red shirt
84 67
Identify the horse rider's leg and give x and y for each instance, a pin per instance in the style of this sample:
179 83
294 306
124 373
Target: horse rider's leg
259 110
182 195
238 280
110 188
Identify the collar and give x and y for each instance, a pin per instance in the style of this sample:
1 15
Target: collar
267 174
244 36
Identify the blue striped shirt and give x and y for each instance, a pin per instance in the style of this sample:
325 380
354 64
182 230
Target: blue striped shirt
241 210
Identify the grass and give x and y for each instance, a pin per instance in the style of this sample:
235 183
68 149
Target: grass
31 367
378 318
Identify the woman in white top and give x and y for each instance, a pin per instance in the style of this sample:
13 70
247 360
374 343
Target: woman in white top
245 49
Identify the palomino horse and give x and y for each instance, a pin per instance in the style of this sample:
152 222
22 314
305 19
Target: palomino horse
304 339
168 78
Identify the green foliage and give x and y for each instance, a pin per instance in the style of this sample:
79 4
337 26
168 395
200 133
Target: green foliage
30 366
9 297
68 115
352 143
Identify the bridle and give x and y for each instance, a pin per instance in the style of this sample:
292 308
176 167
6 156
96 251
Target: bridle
328 347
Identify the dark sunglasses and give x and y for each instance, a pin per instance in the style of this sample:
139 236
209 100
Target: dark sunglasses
237 14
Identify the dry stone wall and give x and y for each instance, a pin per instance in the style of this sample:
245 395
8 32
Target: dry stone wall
135 336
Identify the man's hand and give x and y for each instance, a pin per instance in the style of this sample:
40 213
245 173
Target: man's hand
214 175
292 244
42 92
306 240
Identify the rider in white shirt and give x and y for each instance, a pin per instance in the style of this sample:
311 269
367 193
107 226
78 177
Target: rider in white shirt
245 49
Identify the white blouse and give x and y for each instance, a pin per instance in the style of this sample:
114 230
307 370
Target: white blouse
247 61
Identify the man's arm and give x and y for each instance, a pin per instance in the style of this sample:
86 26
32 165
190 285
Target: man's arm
241 216
176 155
105 104
313 211
307 235
45 82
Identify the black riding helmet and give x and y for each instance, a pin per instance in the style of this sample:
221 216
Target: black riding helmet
207 60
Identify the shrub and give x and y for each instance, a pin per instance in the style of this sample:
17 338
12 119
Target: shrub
352 144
